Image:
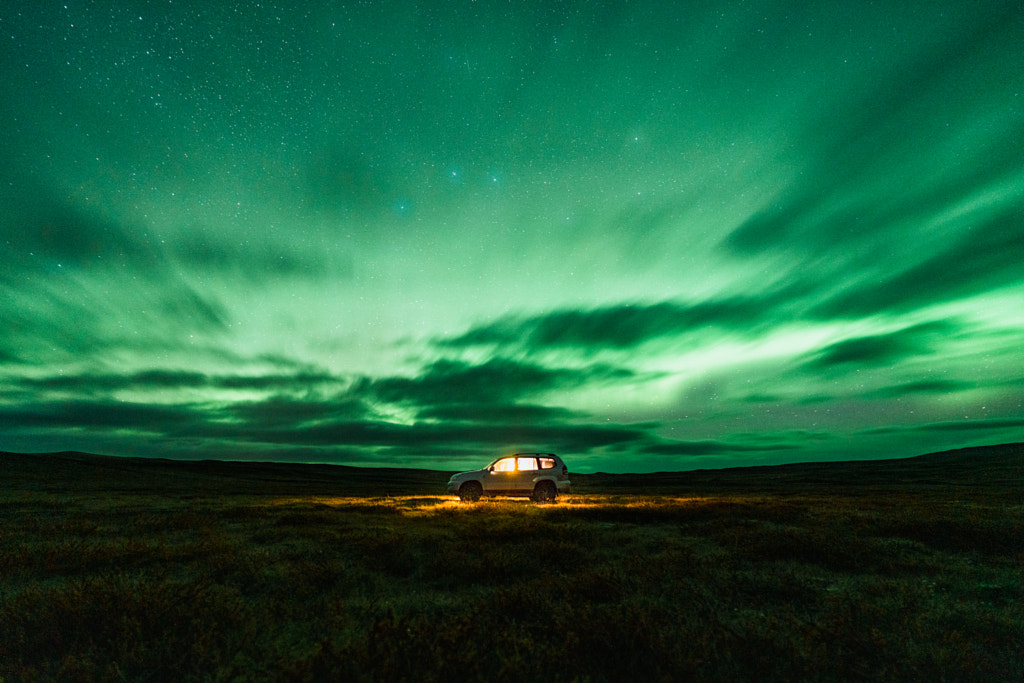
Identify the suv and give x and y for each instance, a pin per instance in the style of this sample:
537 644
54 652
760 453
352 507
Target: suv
542 476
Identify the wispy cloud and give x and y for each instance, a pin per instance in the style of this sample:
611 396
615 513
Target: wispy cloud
881 349
985 257
624 326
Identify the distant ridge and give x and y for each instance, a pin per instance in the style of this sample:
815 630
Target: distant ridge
997 465
73 469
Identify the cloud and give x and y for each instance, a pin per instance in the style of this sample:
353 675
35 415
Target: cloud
191 428
498 381
282 412
987 257
299 381
77 280
45 230
938 386
93 383
514 413
459 407
879 350
699 448
967 426
9 358
897 208
430 437
88 384
880 160
270 257
103 415
625 326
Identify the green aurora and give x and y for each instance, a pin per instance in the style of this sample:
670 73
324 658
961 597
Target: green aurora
644 235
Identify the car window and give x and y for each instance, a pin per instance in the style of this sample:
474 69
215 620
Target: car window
505 465
527 463
547 463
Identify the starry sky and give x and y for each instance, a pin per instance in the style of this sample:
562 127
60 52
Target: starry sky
644 235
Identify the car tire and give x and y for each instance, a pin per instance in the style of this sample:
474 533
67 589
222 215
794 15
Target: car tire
470 492
544 492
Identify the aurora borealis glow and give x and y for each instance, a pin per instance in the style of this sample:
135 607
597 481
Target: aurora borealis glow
643 235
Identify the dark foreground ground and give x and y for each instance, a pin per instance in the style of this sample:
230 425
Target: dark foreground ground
124 569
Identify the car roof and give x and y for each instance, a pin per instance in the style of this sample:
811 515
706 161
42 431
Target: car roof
524 455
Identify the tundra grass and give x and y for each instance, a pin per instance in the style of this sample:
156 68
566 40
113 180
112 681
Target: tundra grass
148 586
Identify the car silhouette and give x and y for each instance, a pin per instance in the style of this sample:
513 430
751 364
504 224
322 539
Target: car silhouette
541 476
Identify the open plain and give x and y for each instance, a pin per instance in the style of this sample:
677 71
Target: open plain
132 569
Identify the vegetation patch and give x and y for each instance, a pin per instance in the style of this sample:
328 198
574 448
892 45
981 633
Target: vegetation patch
148 585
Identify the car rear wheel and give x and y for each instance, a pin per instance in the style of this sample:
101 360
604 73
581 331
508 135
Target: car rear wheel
470 492
544 492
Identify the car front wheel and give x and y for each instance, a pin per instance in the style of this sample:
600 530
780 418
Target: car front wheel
470 492
544 492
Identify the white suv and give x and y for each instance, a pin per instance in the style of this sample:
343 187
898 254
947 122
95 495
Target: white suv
542 476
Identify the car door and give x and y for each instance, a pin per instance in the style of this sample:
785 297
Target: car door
501 476
526 470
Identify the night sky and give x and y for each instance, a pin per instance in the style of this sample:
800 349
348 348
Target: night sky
643 235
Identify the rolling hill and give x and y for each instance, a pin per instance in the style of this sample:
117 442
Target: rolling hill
1000 466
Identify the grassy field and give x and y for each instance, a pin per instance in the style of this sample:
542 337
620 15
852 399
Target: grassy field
149 570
